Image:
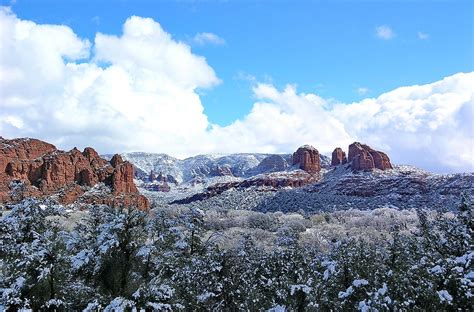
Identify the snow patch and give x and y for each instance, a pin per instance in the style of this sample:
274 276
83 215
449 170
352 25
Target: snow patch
445 296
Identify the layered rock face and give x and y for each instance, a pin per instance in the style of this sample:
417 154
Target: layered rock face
220 171
45 171
272 163
307 159
15 150
363 157
265 182
122 178
22 149
152 177
338 157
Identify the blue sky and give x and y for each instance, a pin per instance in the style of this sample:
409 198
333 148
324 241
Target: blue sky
325 47
196 77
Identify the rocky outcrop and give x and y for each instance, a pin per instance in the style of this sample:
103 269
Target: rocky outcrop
122 178
42 170
307 159
220 171
264 182
338 157
272 163
152 176
63 168
157 187
18 149
171 179
363 157
116 160
325 161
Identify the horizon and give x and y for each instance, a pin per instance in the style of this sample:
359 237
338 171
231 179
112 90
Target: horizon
189 78
219 155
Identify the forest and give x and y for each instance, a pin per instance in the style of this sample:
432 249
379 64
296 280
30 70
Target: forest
189 259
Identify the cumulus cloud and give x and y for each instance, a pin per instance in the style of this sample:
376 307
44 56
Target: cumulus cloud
133 91
206 37
427 125
430 126
280 121
384 32
138 92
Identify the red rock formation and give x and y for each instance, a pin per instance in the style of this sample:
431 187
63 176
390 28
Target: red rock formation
122 179
363 157
116 160
22 149
30 170
90 154
43 171
381 160
338 157
62 168
162 178
307 158
95 160
363 161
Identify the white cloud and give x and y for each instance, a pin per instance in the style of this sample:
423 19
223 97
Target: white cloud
362 90
137 92
384 32
280 121
206 37
429 125
423 35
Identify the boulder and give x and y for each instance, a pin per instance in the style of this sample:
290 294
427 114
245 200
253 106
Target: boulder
307 159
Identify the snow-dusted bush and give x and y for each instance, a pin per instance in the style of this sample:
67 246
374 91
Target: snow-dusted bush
176 258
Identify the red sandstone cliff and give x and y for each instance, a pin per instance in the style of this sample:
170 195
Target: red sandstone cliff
363 157
338 157
46 171
307 158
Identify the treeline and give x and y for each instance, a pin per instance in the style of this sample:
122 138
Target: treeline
125 260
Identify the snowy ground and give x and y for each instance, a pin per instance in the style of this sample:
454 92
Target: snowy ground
404 187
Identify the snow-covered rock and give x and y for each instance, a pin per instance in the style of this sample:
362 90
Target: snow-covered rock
199 169
403 187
